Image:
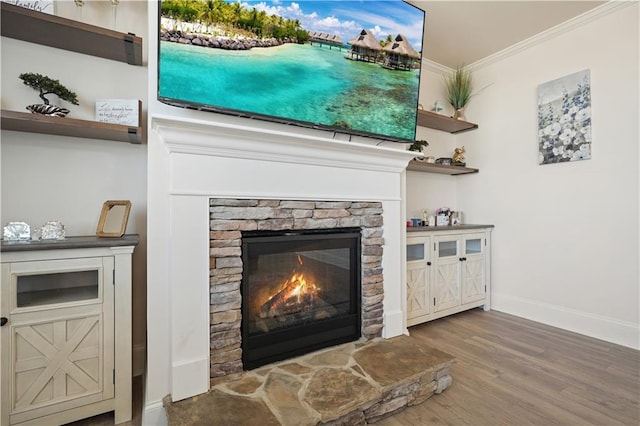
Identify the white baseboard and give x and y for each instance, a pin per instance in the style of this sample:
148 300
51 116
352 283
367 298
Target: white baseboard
154 415
139 359
189 379
393 324
609 329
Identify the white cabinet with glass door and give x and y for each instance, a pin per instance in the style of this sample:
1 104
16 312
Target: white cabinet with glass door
446 285
418 279
65 340
474 282
456 269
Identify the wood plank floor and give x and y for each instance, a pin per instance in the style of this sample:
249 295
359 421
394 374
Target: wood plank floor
511 371
107 419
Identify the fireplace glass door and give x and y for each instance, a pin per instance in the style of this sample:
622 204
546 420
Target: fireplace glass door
300 292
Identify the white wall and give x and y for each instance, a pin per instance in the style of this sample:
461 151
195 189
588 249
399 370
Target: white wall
565 245
58 178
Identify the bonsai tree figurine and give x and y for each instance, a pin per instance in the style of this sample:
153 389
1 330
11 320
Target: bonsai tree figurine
48 86
459 87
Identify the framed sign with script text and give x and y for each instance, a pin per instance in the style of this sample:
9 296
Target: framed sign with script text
119 111
46 6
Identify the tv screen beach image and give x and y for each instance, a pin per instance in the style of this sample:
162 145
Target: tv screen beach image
348 66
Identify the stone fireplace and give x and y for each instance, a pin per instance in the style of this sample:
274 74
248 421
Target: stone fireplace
291 276
194 162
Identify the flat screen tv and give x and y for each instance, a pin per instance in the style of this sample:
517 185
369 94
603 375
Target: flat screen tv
351 67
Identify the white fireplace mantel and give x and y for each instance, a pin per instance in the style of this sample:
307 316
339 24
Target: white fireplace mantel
233 141
193 160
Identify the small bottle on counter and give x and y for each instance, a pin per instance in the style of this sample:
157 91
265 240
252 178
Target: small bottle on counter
432 221
425 217
455 218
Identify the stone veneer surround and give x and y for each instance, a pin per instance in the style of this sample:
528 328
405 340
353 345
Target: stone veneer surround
229 217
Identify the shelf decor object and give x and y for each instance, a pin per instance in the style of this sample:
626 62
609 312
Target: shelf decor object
119 111
459 86
114 10
48 86
113 218
418 146
45 6
458 157
54 31
16 231
52 110
79 5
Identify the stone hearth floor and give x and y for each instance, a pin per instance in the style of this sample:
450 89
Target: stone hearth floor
356 383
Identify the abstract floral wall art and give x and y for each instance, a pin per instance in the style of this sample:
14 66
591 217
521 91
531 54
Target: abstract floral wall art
564 119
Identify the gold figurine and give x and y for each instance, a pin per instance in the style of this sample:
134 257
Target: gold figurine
458 156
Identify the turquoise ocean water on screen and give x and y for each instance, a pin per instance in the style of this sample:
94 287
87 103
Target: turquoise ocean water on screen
305 83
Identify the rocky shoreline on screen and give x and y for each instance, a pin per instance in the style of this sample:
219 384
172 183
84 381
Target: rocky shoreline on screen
221 42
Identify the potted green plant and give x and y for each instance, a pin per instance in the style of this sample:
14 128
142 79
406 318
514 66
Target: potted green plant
459 88
48 86
418 146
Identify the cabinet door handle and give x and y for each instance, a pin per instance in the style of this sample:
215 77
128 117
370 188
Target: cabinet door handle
428 263
461 259
3 321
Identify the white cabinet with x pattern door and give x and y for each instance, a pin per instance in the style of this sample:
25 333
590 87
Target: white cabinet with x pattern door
65 340
418 278
452 275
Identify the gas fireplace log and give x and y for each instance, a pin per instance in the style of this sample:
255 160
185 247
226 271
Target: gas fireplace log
296 296
321 310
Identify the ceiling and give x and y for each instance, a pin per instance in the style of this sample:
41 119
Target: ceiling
459 33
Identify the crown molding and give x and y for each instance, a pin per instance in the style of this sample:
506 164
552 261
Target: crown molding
583 19
430 65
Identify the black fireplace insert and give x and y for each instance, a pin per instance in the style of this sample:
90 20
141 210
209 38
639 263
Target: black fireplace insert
300 292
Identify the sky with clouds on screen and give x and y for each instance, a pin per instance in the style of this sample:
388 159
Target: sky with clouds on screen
348 18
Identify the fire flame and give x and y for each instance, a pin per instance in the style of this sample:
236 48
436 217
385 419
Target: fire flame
297 286
295 294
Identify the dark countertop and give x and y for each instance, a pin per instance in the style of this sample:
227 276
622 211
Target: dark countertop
446 228
90 241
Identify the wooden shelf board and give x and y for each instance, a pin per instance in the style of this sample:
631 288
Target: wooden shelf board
441 122
421 166
54 31
63 126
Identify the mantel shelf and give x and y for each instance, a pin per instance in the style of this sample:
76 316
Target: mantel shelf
54 31
421 166
36 123
441 122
